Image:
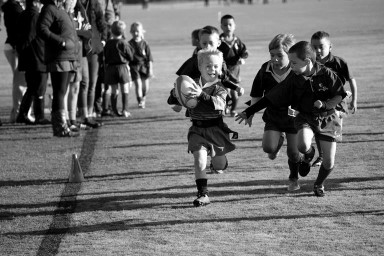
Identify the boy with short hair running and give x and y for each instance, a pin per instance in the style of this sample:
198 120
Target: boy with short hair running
322 44
314 91
208 135
277 121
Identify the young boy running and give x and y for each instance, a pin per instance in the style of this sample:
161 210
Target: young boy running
322 44
208 134
234 52
277 121
314 91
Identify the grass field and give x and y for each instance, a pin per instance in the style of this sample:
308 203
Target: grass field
139 188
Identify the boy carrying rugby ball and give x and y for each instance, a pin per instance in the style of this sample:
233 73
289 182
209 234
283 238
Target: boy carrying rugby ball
208 135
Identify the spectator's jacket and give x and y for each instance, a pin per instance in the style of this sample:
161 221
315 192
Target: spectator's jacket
30 47
95 17
55 26
12 10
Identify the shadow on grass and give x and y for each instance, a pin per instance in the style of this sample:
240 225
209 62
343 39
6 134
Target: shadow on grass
84 163
62 216
257 189
132 224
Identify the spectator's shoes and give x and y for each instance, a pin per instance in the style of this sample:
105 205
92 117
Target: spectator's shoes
22 119
93 124
42 121
317 162
318 190
201 200
106 112
126 114
293 185
273 156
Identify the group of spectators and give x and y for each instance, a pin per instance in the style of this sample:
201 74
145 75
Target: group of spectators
61 41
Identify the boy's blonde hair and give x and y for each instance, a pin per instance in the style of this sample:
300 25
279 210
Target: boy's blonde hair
283 41
202 54
138 25
118 28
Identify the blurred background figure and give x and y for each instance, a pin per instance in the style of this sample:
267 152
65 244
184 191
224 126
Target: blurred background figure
12 10
30 49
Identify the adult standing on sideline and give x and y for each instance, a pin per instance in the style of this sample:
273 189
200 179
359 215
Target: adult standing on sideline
12 10
95 17
30 49
58 31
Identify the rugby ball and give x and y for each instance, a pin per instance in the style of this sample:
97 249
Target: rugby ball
183 86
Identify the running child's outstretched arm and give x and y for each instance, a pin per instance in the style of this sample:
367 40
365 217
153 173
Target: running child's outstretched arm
248 113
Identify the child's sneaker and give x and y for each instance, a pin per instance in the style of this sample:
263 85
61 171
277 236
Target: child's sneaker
217 171
317 162
318 190
273 156
142 104
201 200
293 185
126 114
308 157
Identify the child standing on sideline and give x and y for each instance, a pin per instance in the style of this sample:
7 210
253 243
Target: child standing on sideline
118 56
142 64
208 135
277 121
314 91
322 44
234 52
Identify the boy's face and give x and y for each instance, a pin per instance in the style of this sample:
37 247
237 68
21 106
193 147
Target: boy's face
279 58
137 32
210 42
210 68
299 66
322 48
228 26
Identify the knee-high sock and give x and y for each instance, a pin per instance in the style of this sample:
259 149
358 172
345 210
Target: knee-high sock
323 174
294 170
202 187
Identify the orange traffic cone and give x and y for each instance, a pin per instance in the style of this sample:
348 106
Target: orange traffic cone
76 174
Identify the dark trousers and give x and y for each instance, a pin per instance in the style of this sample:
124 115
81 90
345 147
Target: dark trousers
36 87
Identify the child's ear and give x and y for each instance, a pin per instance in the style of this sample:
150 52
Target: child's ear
330 46
219 43
308 61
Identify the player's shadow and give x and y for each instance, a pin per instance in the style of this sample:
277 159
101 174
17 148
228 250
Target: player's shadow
128 224
149 199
